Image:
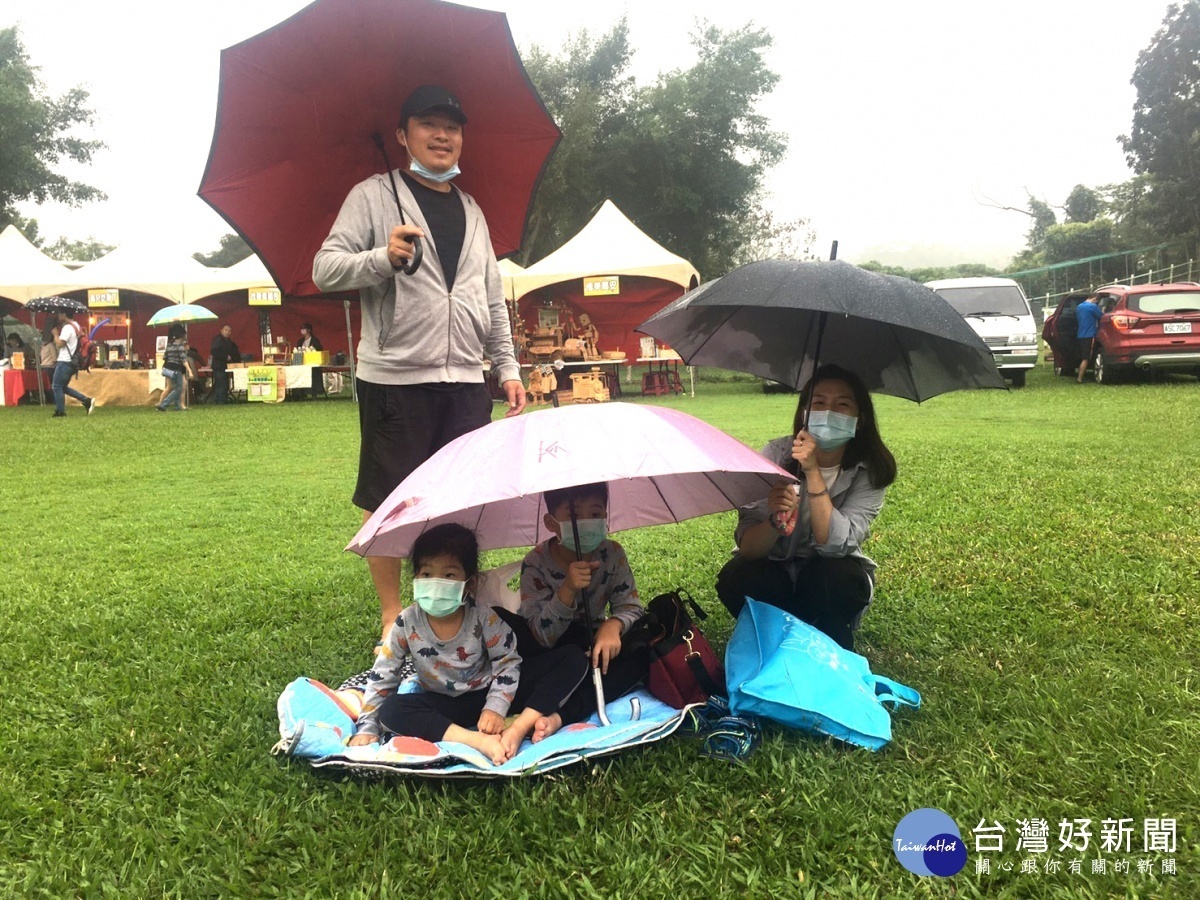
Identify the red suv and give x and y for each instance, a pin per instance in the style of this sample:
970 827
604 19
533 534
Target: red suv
1145 328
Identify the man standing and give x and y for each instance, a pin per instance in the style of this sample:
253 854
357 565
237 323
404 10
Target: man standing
66 338
1087 315
224 351
424 334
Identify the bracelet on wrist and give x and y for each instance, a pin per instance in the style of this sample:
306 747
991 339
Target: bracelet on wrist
820 493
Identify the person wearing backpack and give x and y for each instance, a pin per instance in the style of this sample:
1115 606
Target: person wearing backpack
68 338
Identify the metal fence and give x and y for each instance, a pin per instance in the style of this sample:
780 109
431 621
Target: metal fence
1044 304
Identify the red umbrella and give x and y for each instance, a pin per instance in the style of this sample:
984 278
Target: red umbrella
298 106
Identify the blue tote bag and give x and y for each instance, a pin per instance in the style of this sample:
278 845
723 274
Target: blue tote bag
785 670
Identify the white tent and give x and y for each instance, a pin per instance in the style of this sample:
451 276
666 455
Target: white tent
612 272
249 274
150 268
26 272
508 271
609 244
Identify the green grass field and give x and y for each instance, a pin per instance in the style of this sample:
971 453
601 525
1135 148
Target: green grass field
167 575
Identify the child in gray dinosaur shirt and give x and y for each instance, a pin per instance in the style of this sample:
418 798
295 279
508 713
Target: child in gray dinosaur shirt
465 658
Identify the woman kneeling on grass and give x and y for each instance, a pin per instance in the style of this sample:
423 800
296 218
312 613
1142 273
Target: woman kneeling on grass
466 661
799 549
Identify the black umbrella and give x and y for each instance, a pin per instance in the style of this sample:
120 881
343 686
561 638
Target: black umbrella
779 319
55 304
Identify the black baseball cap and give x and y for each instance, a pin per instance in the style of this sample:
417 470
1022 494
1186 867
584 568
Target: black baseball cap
431 98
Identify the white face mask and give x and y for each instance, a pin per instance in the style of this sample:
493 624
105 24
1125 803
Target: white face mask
592 533
831 429
437 177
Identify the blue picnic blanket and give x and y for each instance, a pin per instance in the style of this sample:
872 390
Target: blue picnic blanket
315 722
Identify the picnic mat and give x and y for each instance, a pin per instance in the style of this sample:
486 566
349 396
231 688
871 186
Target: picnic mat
315 721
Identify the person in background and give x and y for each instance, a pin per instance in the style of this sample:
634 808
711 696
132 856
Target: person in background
1087 316
309 341
49 352
425 334
174 369
224 351
800 548
66 335
13 344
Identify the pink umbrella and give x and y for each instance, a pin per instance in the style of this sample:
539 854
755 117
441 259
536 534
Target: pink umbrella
661 466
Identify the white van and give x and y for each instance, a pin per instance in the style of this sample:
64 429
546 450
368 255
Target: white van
998 311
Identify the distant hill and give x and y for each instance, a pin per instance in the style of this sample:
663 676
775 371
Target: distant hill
918 256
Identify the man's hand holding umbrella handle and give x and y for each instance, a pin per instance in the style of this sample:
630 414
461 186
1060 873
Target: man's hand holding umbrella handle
515 391
402 246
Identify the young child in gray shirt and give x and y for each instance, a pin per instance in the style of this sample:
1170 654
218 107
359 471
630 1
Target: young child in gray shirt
465 658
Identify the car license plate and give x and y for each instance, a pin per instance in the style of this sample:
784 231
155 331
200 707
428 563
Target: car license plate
1177 328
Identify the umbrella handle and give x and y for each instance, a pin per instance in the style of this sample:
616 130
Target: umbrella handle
418 253
600 704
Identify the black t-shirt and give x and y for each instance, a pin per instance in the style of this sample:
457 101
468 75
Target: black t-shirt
447 219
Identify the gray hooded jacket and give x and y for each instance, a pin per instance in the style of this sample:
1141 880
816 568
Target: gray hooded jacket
415 331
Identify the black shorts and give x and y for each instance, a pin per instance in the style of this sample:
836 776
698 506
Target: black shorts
402 425
1083 347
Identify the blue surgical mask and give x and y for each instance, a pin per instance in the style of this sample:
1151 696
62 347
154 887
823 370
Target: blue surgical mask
592 533
438 596
830 429
438 177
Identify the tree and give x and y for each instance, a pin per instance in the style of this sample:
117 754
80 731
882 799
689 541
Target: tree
1164 141
766 237
1079 240
232 250
933 273
1042 218
27 227
684 157
586 90
36 135
1083 204
80 251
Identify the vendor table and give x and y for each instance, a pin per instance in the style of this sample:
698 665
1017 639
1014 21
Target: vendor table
19 382
121 387
297 378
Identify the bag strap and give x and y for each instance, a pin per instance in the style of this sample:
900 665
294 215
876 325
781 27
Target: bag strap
887 691
696 664
686 600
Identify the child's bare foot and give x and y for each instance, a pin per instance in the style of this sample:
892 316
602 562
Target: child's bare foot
487 744
490 746
546 726
515 734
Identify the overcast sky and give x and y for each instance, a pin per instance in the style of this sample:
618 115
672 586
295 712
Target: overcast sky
905 119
